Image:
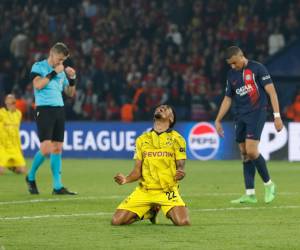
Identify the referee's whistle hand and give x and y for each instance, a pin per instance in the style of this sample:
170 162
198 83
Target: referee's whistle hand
70 72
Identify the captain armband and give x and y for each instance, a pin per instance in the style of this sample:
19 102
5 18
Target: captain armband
51 75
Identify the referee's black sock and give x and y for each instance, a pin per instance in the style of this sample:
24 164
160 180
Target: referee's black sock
261 167
249 174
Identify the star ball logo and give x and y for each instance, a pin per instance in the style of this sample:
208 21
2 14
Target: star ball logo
203 141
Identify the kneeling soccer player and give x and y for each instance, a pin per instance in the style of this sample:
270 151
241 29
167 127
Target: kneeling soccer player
11 155
160 157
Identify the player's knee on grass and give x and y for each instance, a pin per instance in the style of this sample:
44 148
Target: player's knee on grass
20 170
184 222
179 216
2 170
123 217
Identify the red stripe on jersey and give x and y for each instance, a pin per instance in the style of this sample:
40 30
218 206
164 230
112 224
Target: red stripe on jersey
250 83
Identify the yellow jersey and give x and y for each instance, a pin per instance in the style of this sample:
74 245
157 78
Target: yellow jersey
9 129
159 153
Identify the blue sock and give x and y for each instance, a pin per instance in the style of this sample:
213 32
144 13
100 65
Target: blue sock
55 161
249 174
261 167
36 163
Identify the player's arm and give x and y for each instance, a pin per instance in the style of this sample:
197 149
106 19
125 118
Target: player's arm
40 82
270 89
180 172
70 89
225 106
135 174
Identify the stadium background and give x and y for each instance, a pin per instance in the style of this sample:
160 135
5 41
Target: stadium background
133 55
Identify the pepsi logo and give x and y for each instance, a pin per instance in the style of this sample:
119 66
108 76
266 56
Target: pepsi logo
203 141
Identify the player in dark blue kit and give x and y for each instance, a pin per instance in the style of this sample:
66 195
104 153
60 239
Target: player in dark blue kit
50 78
249 84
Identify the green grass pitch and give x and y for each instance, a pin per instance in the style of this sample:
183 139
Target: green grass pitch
83 222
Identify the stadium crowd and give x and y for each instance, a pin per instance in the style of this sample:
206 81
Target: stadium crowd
132 55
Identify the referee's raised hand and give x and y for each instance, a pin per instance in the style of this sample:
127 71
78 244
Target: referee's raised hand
71 73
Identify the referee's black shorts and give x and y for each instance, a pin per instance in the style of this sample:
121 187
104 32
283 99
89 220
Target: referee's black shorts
50 123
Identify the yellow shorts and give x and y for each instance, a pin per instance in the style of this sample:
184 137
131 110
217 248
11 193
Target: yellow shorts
11 159
140 201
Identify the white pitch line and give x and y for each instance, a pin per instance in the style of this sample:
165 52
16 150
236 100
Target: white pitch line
60 199
46 200
47 216
231 194
118 197
242 208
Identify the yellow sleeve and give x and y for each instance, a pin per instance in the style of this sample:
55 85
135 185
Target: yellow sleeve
180 147
19 117
138 149
1 115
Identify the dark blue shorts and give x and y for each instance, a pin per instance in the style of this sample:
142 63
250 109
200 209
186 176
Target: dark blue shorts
250 126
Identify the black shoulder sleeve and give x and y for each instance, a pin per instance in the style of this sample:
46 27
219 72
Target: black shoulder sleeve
33 75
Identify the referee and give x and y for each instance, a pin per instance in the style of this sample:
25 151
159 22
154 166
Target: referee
50 78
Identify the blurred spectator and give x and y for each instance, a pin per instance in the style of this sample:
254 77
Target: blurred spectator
292 112
113 111
174 35
127 112
174 49
140 108
19 45
202 109
275 41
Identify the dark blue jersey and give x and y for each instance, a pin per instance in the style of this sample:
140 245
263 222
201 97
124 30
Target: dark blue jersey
246 87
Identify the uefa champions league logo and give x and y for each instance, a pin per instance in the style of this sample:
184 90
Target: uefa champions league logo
203 141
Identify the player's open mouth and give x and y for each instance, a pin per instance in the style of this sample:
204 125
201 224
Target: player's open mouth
158 115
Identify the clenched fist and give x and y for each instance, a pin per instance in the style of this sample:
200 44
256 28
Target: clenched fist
120 179
71 73
179 174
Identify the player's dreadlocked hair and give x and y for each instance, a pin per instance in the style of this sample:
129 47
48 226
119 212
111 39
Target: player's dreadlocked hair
232 51
60 48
